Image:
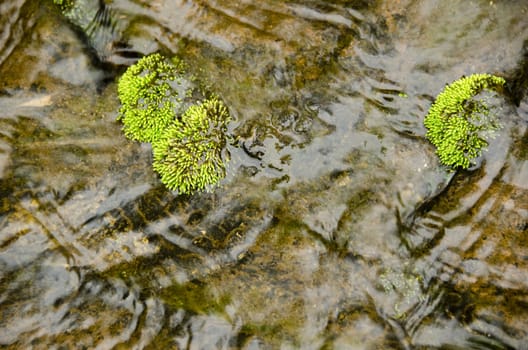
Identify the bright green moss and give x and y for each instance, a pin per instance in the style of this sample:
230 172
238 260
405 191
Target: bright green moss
457 124
191 154
152 93
188 140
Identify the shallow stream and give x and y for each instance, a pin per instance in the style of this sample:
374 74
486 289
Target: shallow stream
335 228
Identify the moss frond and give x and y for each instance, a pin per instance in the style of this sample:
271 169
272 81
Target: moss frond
191 154
151 93
457 124
64 5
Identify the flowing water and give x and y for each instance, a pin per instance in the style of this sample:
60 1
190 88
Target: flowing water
336 227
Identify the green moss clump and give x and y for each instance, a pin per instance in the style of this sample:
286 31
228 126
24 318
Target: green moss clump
191 154
457 124
152 93
188 138
63 4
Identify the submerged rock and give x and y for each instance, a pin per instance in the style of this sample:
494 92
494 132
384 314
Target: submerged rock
102 27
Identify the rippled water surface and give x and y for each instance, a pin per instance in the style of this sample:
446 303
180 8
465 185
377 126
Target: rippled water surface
336 228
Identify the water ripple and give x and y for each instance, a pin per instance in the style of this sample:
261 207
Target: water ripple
16 20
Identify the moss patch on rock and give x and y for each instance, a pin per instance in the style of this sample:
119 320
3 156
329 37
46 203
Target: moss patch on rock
458 124
187 127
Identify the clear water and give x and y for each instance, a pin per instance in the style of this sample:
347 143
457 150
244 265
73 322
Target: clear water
336 228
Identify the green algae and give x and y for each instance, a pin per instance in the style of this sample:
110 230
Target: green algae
194 297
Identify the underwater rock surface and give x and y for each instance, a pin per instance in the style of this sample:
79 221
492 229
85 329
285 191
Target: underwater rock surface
335 227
